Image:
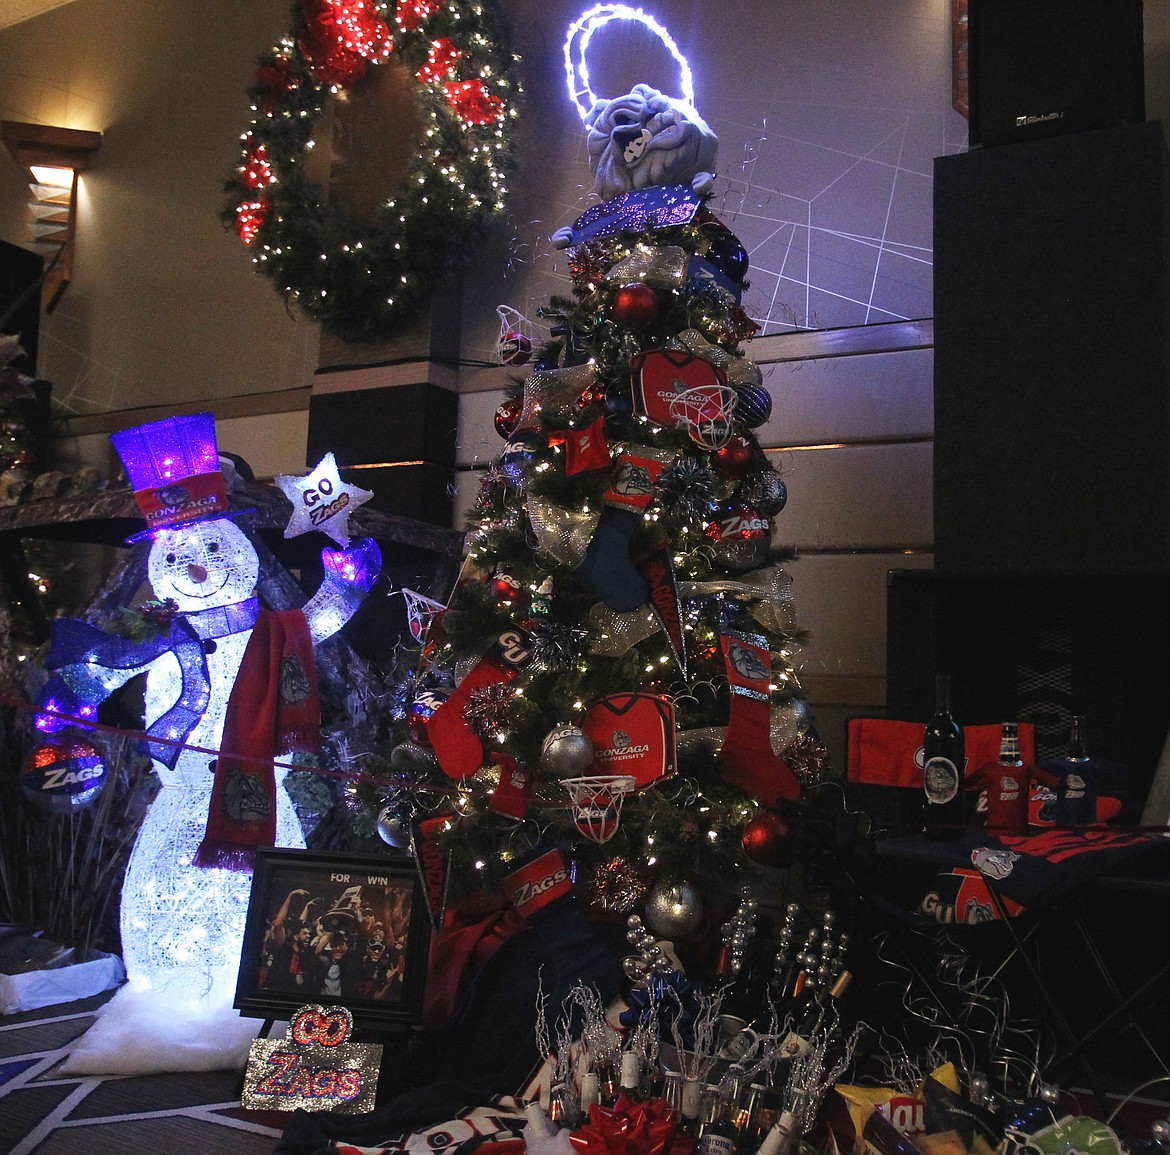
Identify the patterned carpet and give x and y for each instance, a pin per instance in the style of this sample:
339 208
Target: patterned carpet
45 1114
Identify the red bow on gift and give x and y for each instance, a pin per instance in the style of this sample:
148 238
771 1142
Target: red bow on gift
629 1128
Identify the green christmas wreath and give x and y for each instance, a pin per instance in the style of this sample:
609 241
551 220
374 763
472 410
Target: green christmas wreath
364 277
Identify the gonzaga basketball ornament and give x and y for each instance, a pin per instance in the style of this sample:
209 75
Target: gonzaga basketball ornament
63 774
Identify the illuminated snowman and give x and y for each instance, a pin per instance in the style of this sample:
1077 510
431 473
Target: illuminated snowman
182 922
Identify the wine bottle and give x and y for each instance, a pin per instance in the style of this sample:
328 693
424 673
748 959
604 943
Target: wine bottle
631 1076
943 768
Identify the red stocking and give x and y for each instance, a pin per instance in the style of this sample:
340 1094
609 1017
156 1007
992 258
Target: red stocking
458 748
746 754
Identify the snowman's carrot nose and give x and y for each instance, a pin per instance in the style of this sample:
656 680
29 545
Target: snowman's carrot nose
196 572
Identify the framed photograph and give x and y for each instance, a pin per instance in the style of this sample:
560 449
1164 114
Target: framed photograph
336 930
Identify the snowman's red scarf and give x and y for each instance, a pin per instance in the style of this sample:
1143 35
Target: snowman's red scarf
273 707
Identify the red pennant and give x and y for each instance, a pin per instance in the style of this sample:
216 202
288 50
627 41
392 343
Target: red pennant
659 575
433 862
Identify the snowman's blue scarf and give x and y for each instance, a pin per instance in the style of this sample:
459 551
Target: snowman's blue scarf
79 652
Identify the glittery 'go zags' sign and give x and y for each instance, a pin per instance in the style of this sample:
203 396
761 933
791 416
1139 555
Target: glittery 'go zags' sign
313 1066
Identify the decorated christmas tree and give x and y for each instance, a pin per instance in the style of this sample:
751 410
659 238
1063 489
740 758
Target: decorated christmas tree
615 671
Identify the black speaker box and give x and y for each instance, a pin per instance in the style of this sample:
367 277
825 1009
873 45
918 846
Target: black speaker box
1043 67
20 299
1052 356
397 441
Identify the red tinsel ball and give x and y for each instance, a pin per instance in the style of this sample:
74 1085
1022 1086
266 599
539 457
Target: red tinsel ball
257 172
739 327
508 417
736 458
634 304
588 263
765 839
617 886
411 13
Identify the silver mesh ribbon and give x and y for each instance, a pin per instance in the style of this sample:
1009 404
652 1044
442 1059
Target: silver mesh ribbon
553 391
770 590
787 725
615 634
705 740
665 267
563 535
739 370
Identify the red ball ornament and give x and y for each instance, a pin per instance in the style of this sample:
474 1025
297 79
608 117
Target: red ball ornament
634 304
766 840
504 587
419 716
508 417
736 458
514 348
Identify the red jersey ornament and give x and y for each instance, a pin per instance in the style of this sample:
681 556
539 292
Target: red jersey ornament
660 376
632 733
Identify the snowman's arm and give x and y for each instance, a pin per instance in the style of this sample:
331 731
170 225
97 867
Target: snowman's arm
349 576
86 670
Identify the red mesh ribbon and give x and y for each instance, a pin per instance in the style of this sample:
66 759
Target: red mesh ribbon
629 1128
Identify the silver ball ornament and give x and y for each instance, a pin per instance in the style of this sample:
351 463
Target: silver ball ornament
393 829
673 909
1160 1132
566 752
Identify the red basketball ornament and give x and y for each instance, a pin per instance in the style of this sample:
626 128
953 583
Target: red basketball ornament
766 839
634 304
508 417
736 458
514 348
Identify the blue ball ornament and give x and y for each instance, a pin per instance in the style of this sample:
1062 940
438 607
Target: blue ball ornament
753 405
618 407
63 774
768 493
729 257
518 453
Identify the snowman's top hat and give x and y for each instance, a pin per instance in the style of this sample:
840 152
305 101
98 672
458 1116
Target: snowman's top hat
173 466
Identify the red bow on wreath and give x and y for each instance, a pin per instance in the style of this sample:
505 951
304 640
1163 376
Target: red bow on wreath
472 102
340 38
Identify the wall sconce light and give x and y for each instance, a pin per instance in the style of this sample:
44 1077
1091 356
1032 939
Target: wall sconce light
52 158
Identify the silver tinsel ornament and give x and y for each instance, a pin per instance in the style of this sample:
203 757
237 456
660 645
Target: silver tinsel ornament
673 908
566 752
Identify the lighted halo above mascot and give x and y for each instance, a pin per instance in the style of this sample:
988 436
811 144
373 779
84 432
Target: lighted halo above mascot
643 138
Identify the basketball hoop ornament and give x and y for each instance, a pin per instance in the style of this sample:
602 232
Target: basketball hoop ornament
596 803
